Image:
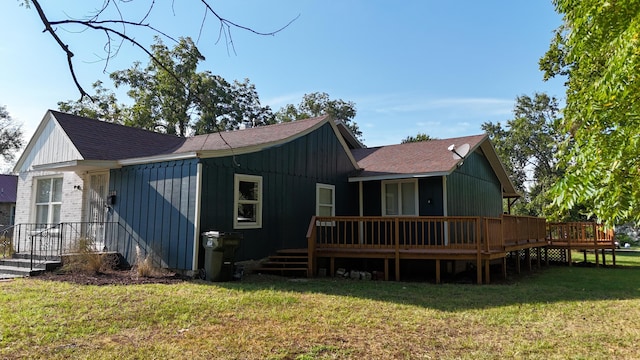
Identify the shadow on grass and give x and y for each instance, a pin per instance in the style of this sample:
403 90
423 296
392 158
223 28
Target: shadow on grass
547 285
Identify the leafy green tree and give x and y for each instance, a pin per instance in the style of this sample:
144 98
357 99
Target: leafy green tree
231 105
165 91
527 145
173 97
10 135
102 105
596 48
317 104
419 137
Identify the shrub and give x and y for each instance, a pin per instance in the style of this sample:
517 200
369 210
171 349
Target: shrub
6 246
145 266
83 258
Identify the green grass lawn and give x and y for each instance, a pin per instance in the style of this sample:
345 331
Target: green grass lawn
557 312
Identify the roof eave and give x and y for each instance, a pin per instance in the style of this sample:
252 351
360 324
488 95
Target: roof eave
397 176
78 165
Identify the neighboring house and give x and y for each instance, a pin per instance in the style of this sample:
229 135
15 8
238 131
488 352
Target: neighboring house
8 187
265 182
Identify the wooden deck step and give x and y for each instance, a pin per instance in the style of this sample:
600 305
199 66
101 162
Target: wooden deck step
286 262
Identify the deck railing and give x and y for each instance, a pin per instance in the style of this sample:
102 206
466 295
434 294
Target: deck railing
388 232
576 234
522 229
437 232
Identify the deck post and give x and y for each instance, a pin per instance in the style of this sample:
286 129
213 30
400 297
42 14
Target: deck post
517 252
386 269
397 240
546 255
487 271
527 255
311 248
437 271
504 267
538 255
595 243
332 266
478 253
613 255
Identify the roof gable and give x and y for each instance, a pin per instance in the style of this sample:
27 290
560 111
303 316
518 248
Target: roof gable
100 140
425 158
48 144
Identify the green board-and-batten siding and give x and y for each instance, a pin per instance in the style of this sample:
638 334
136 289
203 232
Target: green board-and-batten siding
289 173
156 206
429 197
473 189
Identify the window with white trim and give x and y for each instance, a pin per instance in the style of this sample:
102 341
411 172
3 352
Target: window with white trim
325 200
247 202
400 198
48 200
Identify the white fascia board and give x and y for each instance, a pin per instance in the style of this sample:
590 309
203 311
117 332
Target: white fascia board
158 158
397 176
78 165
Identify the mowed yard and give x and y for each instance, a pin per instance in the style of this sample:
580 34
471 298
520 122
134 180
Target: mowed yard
556 312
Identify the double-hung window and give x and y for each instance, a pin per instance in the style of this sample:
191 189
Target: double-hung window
48 201
325 203
247 202
325 200
400 198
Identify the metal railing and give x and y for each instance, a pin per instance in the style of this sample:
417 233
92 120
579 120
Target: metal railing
47 242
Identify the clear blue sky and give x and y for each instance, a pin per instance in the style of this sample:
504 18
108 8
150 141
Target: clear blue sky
435 67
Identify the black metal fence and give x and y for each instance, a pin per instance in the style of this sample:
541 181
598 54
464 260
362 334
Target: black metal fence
45 242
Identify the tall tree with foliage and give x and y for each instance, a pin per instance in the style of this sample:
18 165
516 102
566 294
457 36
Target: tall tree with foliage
230 106
102 105
597 48
10 135
418 138
194 102
527 145
165 92
317 104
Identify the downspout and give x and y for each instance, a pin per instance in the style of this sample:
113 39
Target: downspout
196 235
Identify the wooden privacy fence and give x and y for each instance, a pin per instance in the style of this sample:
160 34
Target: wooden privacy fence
478 239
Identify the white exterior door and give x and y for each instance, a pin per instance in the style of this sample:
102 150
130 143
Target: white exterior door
96 208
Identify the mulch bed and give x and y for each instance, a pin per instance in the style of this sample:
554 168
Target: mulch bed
111 277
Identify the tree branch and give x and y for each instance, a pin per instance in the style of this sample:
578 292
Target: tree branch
63 46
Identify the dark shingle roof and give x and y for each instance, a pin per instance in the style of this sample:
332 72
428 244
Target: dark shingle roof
257 136
99 140
423 157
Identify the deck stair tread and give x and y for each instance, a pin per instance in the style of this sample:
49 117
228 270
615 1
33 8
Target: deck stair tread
286 262
285 257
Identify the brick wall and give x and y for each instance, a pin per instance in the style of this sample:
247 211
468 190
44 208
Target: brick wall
72 198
